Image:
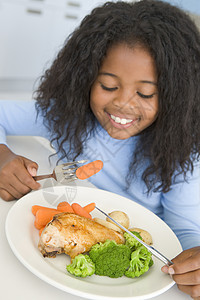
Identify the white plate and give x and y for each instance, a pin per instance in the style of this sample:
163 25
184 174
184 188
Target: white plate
23 239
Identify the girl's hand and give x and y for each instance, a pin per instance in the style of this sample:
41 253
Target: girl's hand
186 272
16 175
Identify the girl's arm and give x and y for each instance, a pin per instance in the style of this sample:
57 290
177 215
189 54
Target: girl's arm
17 118
182 213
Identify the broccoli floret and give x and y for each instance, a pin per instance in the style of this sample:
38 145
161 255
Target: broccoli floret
140 262
131 242
110 259
81 266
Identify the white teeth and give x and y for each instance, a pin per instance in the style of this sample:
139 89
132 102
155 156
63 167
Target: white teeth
119 120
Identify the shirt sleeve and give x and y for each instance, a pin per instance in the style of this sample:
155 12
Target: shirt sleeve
182 209
19 118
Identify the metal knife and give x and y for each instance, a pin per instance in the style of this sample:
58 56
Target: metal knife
153 251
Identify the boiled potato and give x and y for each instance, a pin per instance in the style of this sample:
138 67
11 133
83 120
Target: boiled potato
145 235
108 224
120 217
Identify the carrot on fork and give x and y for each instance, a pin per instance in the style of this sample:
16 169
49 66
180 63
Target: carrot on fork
89 170
79 210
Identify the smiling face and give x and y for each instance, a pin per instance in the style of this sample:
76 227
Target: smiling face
124 95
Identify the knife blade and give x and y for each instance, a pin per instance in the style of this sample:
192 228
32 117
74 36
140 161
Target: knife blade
151 249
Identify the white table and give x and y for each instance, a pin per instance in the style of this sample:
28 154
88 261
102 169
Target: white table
17 282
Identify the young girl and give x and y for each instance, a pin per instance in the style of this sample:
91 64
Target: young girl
124 89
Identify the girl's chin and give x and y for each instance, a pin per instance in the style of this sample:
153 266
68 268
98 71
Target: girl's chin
118 134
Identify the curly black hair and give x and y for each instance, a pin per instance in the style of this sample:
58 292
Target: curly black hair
172 142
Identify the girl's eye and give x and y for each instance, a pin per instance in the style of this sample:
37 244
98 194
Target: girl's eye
107 88
145 96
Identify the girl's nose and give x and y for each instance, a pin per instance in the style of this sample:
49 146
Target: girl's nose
126 99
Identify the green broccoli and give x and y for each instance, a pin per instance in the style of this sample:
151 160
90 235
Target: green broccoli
140 262
131 242
110 259
81 266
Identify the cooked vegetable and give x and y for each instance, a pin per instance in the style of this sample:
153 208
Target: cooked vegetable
89 170
45 215
79 210
140 262
120 217
108 224
81 266
63 203
110 259
145 235
35 208
65 207
89 207
37 226
131 242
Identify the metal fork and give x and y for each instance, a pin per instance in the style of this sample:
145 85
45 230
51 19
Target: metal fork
63 173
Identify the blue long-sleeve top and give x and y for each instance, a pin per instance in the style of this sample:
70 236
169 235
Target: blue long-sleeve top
179 208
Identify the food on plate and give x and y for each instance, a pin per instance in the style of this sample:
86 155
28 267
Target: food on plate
108 224
79 210
65 207
90 207
120 217
81 266
72 234
89 170
145 235
140 262
96 246
43 215
110 259
131 242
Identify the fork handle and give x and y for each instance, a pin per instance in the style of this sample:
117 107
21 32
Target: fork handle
40 177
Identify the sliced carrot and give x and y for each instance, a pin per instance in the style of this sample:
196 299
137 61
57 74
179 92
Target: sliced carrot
89 170
90 207
62 204
79 210
45 215
66 208
37 226
35 208
40 232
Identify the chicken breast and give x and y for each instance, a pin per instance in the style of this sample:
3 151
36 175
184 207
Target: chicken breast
72 234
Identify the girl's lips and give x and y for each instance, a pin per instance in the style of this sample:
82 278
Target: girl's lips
119 125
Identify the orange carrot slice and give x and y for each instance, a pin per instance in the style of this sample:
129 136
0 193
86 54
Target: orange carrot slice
35 208
90 207
62 204
45 215
66 208
89 170
37 226
40 232
79 210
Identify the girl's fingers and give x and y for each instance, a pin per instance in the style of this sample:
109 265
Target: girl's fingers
187 261
190 278
192 290
5 195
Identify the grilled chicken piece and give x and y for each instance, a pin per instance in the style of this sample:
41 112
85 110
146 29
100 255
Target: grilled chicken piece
72 234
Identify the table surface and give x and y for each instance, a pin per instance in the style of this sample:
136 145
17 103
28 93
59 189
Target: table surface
16 281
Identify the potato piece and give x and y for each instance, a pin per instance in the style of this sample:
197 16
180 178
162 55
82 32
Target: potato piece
145 235
108 224
120 217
